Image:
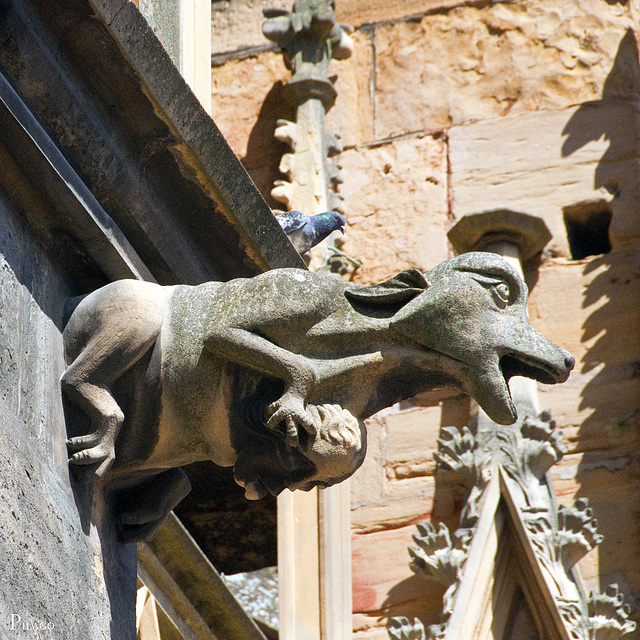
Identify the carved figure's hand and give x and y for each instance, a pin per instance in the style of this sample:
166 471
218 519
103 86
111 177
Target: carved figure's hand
290 411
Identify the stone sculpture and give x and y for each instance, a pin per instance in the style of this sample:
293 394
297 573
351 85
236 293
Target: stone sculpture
273 375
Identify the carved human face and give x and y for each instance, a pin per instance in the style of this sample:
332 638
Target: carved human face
268 465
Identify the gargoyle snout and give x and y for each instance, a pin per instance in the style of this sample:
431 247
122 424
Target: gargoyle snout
569 362
538 358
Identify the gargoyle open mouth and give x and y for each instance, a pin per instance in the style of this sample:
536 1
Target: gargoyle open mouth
529 367
491 387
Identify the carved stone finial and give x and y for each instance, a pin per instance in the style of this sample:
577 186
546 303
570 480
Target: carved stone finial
559 547
437 557
474 232
309 38
577 532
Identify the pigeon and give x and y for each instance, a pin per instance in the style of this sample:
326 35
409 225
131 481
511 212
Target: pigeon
307 231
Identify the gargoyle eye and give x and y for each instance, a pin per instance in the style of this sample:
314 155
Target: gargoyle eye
501 294
499 288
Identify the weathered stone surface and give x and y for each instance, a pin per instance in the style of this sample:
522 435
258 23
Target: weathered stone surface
364 629
403 431
396 203
61 572
470 63
610 480
352 115
241 95
413 500
363 12
367 483
237 24
247 99
549 162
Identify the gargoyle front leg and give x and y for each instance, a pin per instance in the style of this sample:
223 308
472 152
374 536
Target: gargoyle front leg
248 349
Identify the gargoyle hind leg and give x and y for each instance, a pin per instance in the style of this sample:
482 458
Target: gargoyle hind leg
104 338
142 509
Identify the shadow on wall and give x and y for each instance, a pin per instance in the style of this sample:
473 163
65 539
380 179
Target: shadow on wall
264 152
612 361
609 291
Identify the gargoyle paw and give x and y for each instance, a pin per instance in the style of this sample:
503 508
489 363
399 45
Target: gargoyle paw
83 442
101 455
291 412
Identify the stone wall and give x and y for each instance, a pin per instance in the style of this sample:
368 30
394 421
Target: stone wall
446 108
63 573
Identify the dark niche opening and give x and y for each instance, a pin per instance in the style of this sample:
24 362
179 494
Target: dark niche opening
587 227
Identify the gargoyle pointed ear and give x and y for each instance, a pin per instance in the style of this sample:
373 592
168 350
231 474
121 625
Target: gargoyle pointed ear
395 292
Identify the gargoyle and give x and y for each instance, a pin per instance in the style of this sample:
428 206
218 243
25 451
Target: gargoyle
274 374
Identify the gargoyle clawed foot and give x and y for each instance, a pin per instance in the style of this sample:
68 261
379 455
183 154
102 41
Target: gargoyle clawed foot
290 411
94 460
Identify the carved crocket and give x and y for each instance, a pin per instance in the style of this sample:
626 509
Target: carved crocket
274 374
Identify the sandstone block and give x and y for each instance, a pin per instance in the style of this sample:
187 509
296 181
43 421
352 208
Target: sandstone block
364 631
237 24
587 307
359 12
411 500
367 483
551 162
352 114
247 99
609 482
396 203
477 63
241 100
410 442
383 581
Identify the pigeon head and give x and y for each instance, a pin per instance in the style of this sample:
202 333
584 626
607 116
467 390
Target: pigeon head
331 221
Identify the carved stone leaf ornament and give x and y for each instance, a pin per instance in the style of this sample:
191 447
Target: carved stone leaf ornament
401 629
608 615
559 536
439 558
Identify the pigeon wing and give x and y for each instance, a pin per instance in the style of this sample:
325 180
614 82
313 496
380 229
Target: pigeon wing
291 221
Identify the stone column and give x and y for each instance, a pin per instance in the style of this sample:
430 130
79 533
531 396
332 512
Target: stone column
314 529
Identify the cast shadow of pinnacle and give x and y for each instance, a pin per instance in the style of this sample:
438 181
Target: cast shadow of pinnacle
622 87
264 151
612 360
